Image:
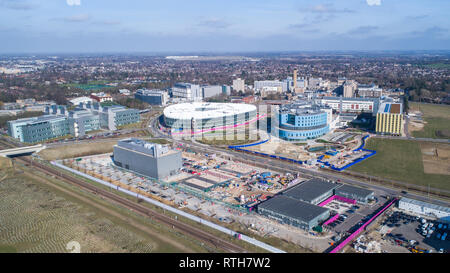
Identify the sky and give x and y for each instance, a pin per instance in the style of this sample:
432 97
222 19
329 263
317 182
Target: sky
89 26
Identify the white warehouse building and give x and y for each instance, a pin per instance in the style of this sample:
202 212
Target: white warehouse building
423 208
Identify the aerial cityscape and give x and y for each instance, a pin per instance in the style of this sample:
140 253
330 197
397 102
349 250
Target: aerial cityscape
200 139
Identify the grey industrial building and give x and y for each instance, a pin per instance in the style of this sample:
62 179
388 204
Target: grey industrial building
290 211
298 206
359 194
150 159
312 191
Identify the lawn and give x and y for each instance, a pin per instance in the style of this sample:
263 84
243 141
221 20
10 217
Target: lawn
399 160
40 218
437 119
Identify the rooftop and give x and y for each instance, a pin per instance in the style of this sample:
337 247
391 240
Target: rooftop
293 208
349 99
202 110
40 119
300 107
355 190
149 148
392 108
146 92
425 204
310 190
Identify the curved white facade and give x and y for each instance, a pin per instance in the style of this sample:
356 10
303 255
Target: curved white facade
207 115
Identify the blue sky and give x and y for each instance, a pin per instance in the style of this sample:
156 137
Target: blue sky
46 26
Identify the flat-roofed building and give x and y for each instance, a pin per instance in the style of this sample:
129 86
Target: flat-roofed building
187 91
369 90
390 119
78 100
359 194
146 158
238 85
312 191
350 88
293 212
38 129
424 208
211 90
152 96
350 105
278 86
82 121
113 116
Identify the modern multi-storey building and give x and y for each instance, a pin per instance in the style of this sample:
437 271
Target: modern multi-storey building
302 120
369 90
82 121
85 118
187 91
350 88
153 96
352 105
211 90
150 159
201 115
238 85
113 116
390 119
38 129
56 110
279 86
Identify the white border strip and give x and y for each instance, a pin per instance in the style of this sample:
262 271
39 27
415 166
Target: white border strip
177 211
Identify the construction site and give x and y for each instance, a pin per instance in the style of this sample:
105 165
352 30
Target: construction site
337 150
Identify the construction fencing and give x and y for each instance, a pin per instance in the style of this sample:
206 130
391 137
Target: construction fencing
177 211
339 198
240 148
360 148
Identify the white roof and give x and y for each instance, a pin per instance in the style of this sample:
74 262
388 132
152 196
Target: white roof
202 110
77 101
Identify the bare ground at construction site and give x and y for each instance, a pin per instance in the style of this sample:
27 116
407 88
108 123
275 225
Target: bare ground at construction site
42 214
436 157
78 150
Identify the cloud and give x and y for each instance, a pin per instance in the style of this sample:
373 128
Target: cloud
363 30
299 26
373 2
107 22
76 18
328 8
431 32
73 2
214 23
17 4
417 17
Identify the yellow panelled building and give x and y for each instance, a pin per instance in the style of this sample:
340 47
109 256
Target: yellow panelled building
390 119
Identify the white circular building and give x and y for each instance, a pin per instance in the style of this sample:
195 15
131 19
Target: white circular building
205 115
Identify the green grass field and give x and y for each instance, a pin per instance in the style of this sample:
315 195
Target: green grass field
399 160
437 118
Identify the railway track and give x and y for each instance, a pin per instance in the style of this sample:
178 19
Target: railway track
195 232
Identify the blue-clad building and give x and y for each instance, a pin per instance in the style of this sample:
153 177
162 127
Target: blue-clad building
85 118
38 129
153 97
302 120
